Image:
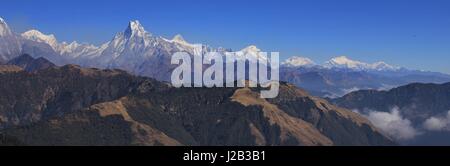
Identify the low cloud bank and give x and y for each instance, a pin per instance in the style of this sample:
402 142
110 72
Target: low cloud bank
400 128
392 124
438 123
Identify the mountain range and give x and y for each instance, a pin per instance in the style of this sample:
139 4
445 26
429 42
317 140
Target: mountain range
71 105
342 75
59 93
142 53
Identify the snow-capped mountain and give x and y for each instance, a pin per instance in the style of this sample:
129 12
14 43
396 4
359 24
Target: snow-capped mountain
139 52
4 29
181 44
134 50
69 51
341 75
341 62
252 51
9 43
297 61
143 53
37 36
346 63
75 50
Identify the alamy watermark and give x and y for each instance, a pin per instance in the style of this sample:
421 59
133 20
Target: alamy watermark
229 69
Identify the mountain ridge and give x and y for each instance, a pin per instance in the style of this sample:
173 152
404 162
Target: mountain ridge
142 53
135 28
71 105
30 64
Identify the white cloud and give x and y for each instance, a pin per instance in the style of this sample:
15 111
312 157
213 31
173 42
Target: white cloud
437 123
393 124
400 128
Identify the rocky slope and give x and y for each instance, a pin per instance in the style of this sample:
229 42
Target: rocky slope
71 105
9 68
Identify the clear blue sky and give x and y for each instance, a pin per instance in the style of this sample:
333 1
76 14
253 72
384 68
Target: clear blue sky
409 33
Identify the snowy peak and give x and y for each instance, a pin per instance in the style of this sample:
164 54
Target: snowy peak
72 50
297 61
179 39
346 63
37 36
10 45
134 39
380 66
135 29
251 49
4 29
341 62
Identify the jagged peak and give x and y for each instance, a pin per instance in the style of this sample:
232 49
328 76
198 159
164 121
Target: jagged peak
38 36
297 61
345 62
135 28
37 33
383 66
135 25
4 29
251 49
342 60
2 21
179 38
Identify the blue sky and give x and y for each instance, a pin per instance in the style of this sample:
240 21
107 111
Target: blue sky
409 33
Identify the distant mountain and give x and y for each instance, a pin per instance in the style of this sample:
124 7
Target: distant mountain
13 45
342 75
343 62
41 45
426 106
35 35
340 63
71 105
143 53
31 64
419 101
134 50
297 61
139 52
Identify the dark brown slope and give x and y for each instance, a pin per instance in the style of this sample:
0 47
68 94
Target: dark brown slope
75 106
31 64
30 97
